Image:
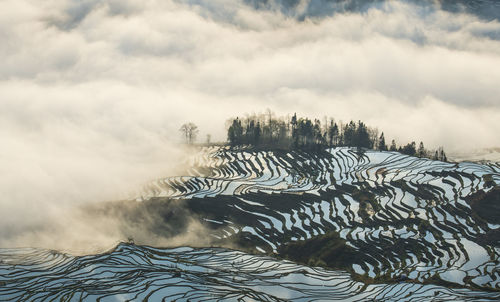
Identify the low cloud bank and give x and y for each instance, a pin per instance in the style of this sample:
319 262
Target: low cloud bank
92 93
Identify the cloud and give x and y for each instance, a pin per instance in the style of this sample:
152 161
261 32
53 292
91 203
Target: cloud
302 9
92 93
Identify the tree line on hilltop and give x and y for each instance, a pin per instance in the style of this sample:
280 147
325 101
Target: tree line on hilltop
267 131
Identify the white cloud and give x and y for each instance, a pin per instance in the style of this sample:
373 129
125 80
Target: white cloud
92 93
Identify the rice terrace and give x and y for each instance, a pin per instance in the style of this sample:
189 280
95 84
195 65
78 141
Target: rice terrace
250 150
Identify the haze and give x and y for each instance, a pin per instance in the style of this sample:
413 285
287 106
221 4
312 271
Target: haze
92 93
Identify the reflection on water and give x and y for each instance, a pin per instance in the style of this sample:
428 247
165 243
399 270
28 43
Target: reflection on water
131 272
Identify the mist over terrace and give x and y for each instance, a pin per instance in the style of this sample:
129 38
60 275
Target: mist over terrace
92 93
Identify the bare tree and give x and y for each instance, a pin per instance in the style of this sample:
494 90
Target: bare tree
189 131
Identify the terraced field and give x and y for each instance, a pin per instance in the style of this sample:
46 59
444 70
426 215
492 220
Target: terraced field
403 227
133 273
403 215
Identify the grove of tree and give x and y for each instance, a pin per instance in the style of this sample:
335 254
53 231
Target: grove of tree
293 132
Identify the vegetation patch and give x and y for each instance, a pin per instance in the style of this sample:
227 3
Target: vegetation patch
266 132
328 250
368 205
486 204
490 237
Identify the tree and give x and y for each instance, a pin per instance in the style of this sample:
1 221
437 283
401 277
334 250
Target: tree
256 134
235 133
410 149
295 132
381 143
317 135
250 132
333 133
189 131
282 133
421 150
361 137
442 155
374 138
393 146
349 134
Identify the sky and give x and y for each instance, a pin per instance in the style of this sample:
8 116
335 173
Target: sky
92 93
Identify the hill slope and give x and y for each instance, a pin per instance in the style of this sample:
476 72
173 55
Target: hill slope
383 217
399 214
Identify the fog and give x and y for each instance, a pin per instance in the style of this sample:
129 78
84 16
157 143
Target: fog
92 93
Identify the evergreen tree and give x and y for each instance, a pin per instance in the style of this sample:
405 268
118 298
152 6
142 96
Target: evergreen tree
305 132
235 133
282 133
349 134
409 149
362 137
442 155
294 121
381 143
296 132
333 133
436 156
336 134
249 132
317 135
393 146
256 134
421 150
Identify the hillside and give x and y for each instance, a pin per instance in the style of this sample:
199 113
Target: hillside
370 216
